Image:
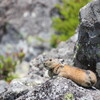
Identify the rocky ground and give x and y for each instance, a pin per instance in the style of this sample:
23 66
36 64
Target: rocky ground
26 24
37 85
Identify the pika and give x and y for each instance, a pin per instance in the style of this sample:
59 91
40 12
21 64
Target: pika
85 78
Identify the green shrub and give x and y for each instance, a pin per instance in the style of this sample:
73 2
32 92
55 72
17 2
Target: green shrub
67 21
8 65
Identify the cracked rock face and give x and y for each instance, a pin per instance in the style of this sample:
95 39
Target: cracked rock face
88 47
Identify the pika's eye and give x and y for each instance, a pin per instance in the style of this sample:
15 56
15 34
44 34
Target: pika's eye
50 60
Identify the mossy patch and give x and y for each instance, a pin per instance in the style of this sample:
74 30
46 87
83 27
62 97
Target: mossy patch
68 96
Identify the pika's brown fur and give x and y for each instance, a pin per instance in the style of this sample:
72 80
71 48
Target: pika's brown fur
82 77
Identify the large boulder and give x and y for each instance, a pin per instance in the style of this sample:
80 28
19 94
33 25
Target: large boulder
88 46
54 89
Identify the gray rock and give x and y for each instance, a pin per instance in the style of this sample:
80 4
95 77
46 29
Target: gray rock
3 88
22 18
53 89
56 89
98 68
88 35
22 69
88 46
19 87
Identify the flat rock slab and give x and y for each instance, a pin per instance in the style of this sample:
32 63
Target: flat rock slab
55 89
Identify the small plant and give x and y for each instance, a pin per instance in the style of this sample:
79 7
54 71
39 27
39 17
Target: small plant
8 65
67 21
56 39
20 55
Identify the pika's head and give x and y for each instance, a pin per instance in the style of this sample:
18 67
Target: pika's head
51 63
